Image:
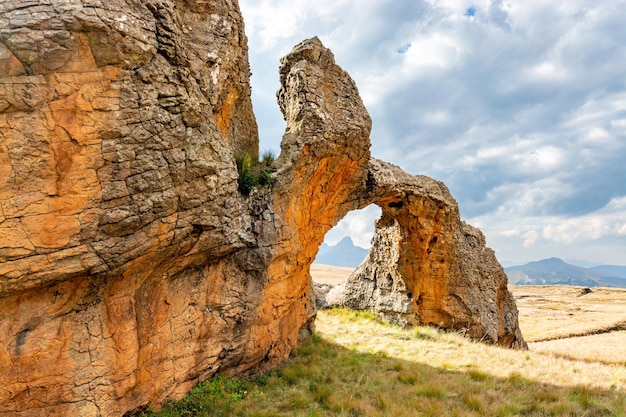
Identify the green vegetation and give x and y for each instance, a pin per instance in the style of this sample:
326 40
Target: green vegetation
215 397
355 366
254 172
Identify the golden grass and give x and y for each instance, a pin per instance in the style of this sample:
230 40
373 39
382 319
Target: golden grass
550 315
328 274
560 321
553 312
449 351
357 366
606 348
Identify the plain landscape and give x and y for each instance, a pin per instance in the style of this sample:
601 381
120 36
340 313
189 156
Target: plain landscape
569 321
357 365
551 271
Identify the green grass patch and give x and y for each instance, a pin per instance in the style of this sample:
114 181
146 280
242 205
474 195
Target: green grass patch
325 378
215 397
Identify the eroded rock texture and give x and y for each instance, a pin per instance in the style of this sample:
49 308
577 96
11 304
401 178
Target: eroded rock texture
123 275
130 266
426 266
323 162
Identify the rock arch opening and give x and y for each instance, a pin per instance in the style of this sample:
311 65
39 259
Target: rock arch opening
348 242
427 266
344 248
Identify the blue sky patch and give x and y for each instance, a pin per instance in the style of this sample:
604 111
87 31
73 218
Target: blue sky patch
404 48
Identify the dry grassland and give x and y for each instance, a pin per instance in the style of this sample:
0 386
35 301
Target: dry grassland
357 365
569 322
332 275
561 320
451 352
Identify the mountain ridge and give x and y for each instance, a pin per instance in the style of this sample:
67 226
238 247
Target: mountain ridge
555 271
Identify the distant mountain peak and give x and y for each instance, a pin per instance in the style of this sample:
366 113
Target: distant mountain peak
554 271
346 241
552 260
344 253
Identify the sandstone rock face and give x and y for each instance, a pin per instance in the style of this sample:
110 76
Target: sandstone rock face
323 161
123 276
426 265
130 266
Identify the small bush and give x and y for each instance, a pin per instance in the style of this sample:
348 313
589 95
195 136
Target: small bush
254 173
265 178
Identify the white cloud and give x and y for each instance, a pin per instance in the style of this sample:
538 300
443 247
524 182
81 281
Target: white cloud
544 159
431 50
520 109
274 22
619 125
530 238
358 224
558 232
597 109
547 72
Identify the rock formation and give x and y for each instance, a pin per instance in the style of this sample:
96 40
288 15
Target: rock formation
122 234
426 266
130 265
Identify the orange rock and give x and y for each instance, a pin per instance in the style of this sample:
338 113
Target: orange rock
111 166
130 266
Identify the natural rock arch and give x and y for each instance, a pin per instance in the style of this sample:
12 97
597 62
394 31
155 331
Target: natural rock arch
426 265
130 266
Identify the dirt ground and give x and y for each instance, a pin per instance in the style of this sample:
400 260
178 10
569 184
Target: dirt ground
574 322
327 274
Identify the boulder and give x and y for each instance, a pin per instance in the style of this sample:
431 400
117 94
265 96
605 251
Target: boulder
123 267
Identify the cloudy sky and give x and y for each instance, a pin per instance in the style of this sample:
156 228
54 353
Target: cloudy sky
518 106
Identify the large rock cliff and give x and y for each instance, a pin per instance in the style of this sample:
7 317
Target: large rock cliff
122 274
130 265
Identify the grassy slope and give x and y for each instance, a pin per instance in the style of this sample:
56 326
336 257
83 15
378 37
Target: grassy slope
553 318
357 366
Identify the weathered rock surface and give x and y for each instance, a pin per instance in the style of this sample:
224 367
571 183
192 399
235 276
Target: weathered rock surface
323 161
426 266
123 274
320 293
130 266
